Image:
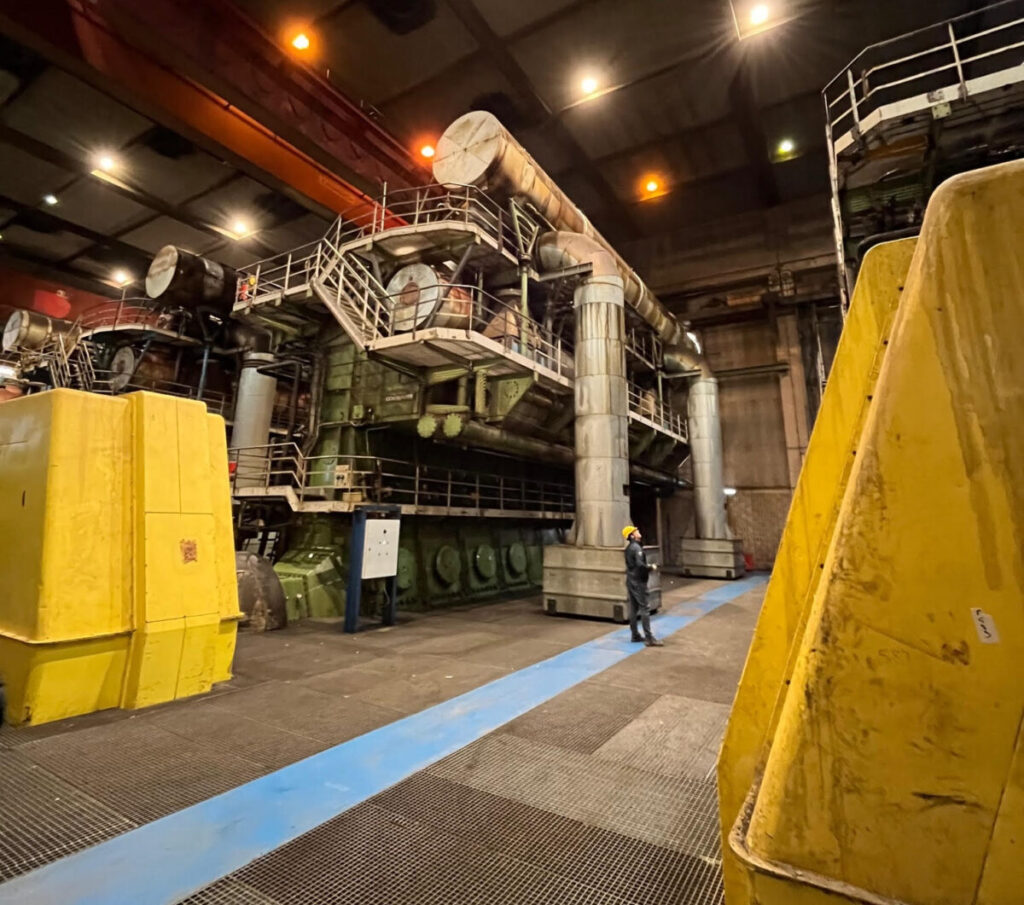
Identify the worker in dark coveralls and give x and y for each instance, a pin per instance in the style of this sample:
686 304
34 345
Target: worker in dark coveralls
637 572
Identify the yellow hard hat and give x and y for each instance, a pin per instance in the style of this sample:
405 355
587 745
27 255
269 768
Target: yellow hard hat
628 530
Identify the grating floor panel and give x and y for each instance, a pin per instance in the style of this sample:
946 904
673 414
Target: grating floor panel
295 708
629 868
139 769
672 812
221 730
376 857
675 736
582 718
43 818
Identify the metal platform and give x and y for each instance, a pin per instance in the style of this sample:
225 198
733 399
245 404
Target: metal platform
576 801
963 71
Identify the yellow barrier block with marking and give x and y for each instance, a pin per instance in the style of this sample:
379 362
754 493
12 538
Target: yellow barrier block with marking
874 750
116 553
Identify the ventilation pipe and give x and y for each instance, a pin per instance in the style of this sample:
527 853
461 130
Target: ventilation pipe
254 409
602 406
477 150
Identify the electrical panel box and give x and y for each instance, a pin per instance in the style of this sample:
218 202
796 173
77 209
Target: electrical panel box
380 549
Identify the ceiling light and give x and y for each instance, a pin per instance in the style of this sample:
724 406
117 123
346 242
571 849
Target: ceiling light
122 278
240 228
651 186
106 162
759 14
589 85
301 41
787 146
427 151
730 491
50 199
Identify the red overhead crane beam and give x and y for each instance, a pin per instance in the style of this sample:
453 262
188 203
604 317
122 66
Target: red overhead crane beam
203 68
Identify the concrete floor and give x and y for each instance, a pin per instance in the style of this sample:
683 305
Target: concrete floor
605 793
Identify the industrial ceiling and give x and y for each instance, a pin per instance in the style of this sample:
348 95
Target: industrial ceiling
612 98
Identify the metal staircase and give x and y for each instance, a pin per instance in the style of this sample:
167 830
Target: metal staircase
352 293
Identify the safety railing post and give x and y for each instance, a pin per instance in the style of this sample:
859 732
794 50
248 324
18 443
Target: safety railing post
959 66
853 102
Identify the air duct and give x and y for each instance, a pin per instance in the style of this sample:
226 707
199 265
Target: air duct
254 409
602 406
477 150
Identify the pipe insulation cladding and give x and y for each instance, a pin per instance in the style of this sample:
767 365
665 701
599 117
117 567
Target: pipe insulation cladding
254 410
478 150
602 401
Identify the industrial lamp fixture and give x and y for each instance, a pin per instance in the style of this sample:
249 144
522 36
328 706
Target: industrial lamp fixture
755 16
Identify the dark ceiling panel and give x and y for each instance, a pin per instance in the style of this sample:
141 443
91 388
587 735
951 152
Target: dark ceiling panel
50 246
65 113
505 17
276 17
169 179
90 203
298 232
164 231
618 42
376 63
26 178
425 113
239 200
686 96
676 162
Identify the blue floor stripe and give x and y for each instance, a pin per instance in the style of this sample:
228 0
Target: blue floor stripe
165 861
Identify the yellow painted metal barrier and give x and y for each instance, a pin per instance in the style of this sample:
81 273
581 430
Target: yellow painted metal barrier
117 581
874 749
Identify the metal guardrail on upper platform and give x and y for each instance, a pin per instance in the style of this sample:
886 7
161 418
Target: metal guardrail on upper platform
510 233
645 407
339 483
950 61
892 89
467 322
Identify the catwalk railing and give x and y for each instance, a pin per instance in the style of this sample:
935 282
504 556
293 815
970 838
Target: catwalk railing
282 469
953 60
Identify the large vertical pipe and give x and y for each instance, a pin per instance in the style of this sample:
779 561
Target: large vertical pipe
254 409
601 400
705 430
602 413
478 150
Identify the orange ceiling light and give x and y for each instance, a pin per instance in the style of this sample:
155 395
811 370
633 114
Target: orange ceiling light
427 150
652 186
300 41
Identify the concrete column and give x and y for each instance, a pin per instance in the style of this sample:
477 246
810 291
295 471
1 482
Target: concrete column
254 407
602 413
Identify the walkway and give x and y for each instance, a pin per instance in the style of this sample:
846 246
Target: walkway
585 777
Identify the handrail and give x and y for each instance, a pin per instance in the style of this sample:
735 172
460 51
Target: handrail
645 404
856 91
282 467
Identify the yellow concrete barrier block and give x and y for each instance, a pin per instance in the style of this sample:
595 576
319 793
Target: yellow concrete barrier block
154 663
46 682
116 552
890 764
